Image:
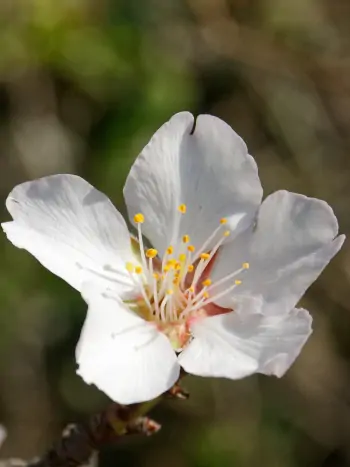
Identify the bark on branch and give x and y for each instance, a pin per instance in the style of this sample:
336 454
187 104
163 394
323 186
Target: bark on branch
80 441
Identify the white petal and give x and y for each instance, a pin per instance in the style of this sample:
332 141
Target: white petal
209 170
289 247
3 435
245 341
123 355
71 228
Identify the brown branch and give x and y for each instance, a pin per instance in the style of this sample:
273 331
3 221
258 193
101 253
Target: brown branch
80 441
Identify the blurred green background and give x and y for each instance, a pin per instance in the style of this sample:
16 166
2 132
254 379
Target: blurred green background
83 85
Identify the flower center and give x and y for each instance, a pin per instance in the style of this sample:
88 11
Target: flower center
178 288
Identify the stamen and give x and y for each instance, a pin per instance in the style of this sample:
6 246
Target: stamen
186 239
162 307
182 208
206 283
201 266
139 218
129 267
214 298
191 248
155 294
212 236
168 251
182 257
229 277
190 268
245 265
151 253
138 270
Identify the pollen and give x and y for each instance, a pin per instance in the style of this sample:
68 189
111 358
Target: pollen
182 257
191 248
238 282
186 238
227 233
245 265
169 292
156 276
182 208
191 289
206 295
206 283
151 253
170 250
177 266
205 256
130 267
190 268
223 220
138 270
176 281
139 218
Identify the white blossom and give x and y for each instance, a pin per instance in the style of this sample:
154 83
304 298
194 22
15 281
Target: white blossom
215 287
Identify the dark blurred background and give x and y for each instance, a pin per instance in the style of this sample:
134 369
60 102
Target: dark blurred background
83 85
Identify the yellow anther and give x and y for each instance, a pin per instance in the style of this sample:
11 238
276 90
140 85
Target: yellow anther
206 295
182 208
245 265
171 262
186 238
151 253
227 233
139 218
238 282
191 248
206 283
166 268
182 257
177 266
191 289
156 276
176 281
129 267
190 268
169 292
205 255
223 220
138 270
170 250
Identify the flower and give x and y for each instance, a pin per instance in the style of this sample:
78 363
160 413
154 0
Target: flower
214 292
